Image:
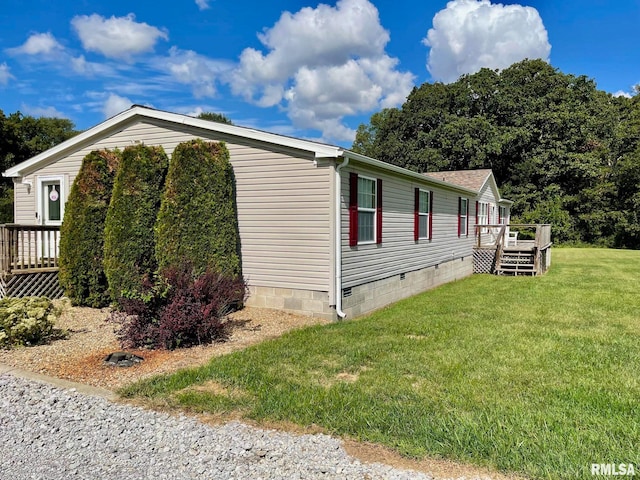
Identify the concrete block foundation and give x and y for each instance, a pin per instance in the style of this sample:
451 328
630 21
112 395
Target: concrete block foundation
371 296
361 299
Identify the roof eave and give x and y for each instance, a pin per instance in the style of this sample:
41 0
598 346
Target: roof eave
319 150
408 173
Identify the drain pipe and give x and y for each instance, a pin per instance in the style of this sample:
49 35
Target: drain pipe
338 239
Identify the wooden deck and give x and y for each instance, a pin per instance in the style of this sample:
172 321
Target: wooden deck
29 261
514 249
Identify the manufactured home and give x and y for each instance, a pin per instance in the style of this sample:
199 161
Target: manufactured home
324 231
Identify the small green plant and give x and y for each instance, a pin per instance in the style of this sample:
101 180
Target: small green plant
27 321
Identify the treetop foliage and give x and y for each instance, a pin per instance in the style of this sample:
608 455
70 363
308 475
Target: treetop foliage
564 151
215 117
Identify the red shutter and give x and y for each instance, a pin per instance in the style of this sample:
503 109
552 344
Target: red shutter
416 214
459 213
477 210
353 209
430 215
379 212
499 215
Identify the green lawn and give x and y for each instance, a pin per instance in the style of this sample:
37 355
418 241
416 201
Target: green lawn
539 376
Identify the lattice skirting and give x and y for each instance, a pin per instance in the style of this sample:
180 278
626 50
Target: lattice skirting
37 284
484 260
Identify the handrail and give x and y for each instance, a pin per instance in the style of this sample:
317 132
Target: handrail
28 247
542 237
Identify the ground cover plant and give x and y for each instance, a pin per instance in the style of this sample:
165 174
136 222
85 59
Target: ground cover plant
531 375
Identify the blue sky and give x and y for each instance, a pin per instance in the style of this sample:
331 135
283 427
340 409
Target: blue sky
294 67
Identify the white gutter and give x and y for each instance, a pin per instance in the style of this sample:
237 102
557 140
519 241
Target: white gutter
338 238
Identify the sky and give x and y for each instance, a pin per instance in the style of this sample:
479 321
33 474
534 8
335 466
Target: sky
295 67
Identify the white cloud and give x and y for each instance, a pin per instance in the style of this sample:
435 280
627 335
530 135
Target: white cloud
38 44
5 74
203 4
188 67
82 66
115 104
323 64
116 37
622 93
50 112
471 34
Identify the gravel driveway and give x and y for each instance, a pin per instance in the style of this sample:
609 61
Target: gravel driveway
49 433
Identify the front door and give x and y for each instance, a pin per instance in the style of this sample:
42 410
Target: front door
50 213
51 203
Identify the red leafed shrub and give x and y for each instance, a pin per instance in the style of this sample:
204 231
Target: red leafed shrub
179 309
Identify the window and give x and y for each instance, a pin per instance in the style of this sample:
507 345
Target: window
423 206
365 210
463 216
503 215
482 218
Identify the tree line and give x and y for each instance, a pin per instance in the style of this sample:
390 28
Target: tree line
565 152
22 137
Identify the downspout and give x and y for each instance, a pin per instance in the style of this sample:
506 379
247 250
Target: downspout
338 239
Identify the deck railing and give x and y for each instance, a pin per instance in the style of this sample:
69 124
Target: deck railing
28 248
536 235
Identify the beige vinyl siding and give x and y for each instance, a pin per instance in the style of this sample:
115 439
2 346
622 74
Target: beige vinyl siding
283 202
399 253
24 203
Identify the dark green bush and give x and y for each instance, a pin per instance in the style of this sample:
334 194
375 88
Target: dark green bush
129 243
197 222
82 233
26 321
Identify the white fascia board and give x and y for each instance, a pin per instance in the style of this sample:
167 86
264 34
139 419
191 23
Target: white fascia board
17 170
318 149
407 173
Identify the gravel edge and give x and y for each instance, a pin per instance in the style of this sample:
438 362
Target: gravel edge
57 433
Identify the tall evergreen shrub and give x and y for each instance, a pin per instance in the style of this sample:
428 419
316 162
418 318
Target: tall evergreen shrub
82 233
197 222
129 239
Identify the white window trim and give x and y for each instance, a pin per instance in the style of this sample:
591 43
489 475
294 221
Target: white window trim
422 214
464 216
369 210
39 197
483 213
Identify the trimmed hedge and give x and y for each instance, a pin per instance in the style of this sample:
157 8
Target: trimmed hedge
197 222
82 233
129 243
